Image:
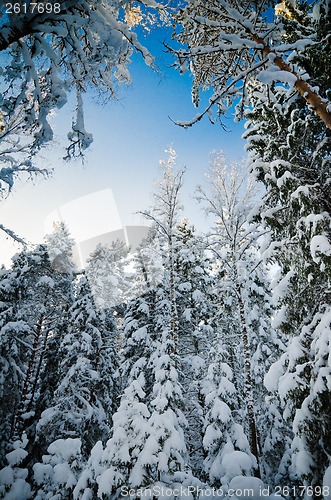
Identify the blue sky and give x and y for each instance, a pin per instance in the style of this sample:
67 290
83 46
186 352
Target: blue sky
130 136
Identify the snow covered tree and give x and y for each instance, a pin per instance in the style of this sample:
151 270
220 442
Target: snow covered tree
12 363
119 464
229 44
290 153
37 307
107 277
52 50
56 476
147 446
242 290
227 450
196 311
194 288
39 296
165 450
187 284
164 216
13 476
85 396
59 246
271 70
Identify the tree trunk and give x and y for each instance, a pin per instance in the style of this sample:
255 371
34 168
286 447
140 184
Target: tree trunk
38 370
16 419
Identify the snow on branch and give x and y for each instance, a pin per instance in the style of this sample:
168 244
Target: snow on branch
48 54
13 235
225 43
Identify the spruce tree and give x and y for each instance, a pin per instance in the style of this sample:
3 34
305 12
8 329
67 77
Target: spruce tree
290 153
227 450
85 395
12 355
196 311
41 294
156 452
120 463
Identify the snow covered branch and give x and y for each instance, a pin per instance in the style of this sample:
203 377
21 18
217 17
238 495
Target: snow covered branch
226 45
75 45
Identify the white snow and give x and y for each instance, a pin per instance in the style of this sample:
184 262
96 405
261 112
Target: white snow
237 463
65 448
6 475
271 378
20 490
319 245
302 460
274 74
42 472
15 457
249 487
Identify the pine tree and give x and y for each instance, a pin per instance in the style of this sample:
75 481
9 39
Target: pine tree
39 295
12 355
165 449
267 345
289 145
122 457
117 465
153 452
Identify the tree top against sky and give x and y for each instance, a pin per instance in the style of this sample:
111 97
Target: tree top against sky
227 45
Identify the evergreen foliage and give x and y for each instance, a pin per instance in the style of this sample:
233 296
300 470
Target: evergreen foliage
290 153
